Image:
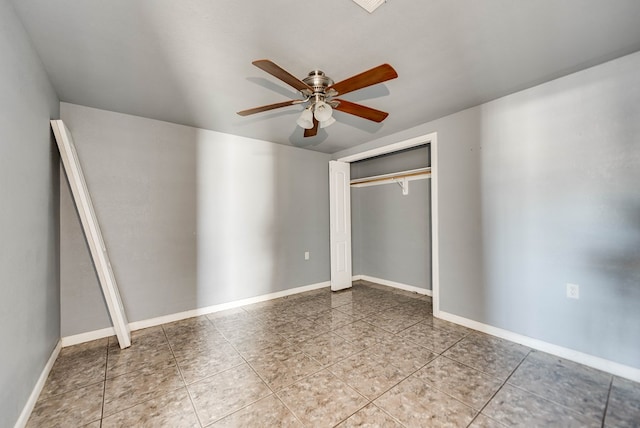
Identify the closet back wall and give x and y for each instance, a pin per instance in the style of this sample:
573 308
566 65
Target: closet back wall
391 232
191 218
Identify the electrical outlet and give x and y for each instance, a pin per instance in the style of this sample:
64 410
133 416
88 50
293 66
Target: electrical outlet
573 291
306 255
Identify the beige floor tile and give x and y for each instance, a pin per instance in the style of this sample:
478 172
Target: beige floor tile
496 357
370 417
301 331
278 349
364 308
512 406
228 314
329 348
419 308
424 334
462 382
198 346
415 404
148 346
312 307
573 385
252 344
75 408
203 363
327 355
185 338
224 393
193 323
234 327
624 404
77 366
447 326
332 319
368 373
170 410
321 400
403 354
482 421
393 323
279 318
267 412
132 388
279 372
362 333
340 298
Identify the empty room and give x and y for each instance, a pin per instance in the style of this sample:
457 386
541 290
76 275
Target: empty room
345 213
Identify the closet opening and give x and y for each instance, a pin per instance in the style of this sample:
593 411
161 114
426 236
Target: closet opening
384 217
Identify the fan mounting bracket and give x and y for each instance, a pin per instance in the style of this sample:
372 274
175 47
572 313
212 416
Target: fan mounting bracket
318 81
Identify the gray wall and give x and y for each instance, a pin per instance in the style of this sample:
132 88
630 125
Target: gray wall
391 232
191 218
29 285
538 189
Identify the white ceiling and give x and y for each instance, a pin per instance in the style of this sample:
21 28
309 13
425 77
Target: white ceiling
189 61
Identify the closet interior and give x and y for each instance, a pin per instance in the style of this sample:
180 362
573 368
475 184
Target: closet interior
391 218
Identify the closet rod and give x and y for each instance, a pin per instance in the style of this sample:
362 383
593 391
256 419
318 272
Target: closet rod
391 177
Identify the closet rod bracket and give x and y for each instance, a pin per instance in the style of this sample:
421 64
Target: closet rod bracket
404 184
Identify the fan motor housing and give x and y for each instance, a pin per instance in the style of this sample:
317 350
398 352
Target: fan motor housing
318 81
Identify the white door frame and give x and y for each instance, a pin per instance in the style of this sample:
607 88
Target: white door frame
432 140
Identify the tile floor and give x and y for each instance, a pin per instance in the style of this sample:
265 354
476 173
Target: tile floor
368 356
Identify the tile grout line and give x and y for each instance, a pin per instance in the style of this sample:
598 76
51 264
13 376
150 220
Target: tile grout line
104 385
322 366
405 377
499 389
287 407
564 406
175 360
274 393
436 355
606 405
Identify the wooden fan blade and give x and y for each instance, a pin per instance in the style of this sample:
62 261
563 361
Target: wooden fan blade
276 71
267 107
361 111
378 74
313 131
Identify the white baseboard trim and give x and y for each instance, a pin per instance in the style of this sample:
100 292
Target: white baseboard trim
87 337
393 284
37 389
612 367
137 325
151 322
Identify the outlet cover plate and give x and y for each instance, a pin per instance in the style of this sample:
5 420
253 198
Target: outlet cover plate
573 291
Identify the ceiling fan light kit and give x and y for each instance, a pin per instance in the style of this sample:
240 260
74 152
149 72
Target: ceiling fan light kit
318 90
306 119
327 122
322 111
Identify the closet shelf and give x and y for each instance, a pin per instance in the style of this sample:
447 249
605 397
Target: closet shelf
414 173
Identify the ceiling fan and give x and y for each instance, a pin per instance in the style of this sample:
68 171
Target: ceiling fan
318 92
